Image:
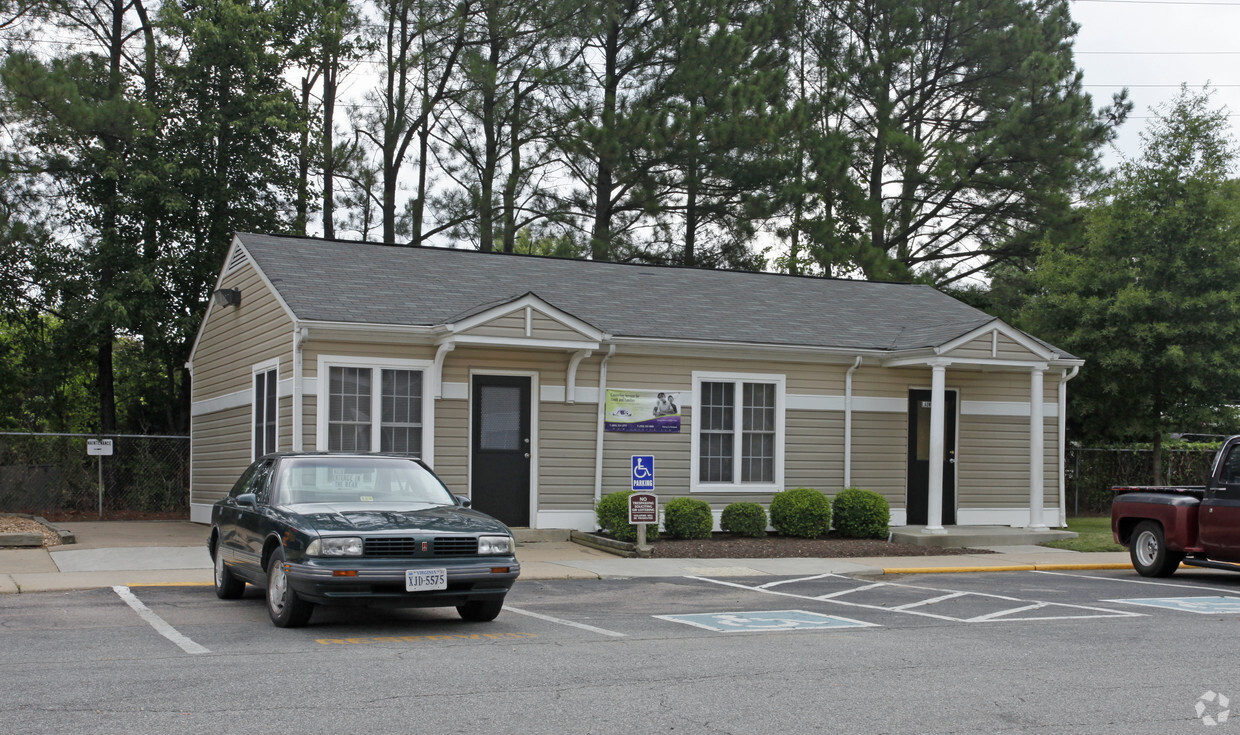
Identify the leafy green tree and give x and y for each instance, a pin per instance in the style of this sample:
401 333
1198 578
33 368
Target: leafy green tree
725 93
1150 297
969 132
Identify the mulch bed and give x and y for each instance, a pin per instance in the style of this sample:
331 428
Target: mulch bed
727 546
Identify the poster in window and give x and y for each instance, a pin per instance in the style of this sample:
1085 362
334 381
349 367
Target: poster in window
643 411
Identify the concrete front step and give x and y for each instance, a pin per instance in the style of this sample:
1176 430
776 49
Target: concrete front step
977 536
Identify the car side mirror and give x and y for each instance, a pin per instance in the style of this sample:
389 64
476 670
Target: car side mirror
463 501
249 499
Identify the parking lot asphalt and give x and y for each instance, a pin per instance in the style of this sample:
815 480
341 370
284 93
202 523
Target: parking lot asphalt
140 553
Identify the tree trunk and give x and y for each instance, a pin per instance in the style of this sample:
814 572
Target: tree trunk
600 237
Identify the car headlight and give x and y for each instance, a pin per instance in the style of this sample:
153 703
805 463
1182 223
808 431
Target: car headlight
495 544
335 546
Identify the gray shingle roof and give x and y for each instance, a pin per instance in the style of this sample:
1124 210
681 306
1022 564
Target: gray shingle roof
327 280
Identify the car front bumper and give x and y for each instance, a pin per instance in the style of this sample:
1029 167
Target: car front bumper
371 584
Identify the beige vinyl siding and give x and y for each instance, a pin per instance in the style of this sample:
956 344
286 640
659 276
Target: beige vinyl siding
452 444
646 372
551 365
234 338
814 450
880 454
544 327
220 451
671 458
566 444
285 429
309 427
978 349
993 462
510 326
359 351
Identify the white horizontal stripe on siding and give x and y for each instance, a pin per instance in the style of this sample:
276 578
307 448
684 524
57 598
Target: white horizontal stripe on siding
455 391
555 394
237 399
1005 408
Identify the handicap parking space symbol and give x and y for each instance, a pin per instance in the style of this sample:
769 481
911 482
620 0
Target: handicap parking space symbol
764 621
1201 605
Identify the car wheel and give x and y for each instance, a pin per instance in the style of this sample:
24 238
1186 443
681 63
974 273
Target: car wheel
287 610
227 586
480 611
1149 553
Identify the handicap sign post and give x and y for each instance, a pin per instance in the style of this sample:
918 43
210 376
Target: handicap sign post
643 503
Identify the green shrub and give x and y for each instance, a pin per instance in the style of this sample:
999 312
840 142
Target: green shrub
613 516
744 519
802 512
688 518
861 513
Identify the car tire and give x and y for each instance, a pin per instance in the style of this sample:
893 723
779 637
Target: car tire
1149 553
227 586
480 611
286 609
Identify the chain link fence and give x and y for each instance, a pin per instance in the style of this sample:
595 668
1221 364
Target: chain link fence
1090 473
145 477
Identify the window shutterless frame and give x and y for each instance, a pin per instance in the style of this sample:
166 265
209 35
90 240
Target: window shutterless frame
265 408
382 396
738 432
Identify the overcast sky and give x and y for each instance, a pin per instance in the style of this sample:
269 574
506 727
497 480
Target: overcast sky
1151 46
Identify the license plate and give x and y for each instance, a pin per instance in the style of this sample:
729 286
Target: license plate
419 580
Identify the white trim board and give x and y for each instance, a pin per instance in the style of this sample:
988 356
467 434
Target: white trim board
238 399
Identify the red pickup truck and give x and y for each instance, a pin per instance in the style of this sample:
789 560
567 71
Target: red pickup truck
1198 525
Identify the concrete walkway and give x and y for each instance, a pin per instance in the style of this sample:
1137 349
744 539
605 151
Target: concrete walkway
138 553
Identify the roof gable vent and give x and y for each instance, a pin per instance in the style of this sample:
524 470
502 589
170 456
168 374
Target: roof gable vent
236 261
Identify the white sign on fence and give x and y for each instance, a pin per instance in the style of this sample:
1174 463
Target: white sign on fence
99 447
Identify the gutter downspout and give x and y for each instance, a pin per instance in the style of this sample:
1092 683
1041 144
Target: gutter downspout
437 368
300 334
1063 434
848 405
602 409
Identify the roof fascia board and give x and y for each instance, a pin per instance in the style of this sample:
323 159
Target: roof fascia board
219 282
533 301
466 340
1005 329
746 350
932 361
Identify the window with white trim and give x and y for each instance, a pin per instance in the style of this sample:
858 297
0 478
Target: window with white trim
374 409
266 410
738 432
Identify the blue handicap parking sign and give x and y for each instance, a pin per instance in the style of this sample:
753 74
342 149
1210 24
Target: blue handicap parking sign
1202 605
764 621
643 472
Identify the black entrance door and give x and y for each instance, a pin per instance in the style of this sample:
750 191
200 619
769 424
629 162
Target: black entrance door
500 470
919 457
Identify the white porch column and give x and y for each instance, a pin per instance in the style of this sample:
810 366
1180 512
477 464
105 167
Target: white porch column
1037 455
934 501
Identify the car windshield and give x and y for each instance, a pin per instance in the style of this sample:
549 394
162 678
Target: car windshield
358 480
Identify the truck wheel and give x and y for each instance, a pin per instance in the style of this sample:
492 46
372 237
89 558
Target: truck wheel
1149 553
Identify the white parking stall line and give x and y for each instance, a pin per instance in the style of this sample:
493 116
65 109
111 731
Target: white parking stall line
908 609
1002 613
776 583
862 588
560 621
1228 590
930 601
160 625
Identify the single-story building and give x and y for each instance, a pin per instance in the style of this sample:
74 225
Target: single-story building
535 385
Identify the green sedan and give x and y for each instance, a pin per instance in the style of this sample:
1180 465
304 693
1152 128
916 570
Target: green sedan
364 529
